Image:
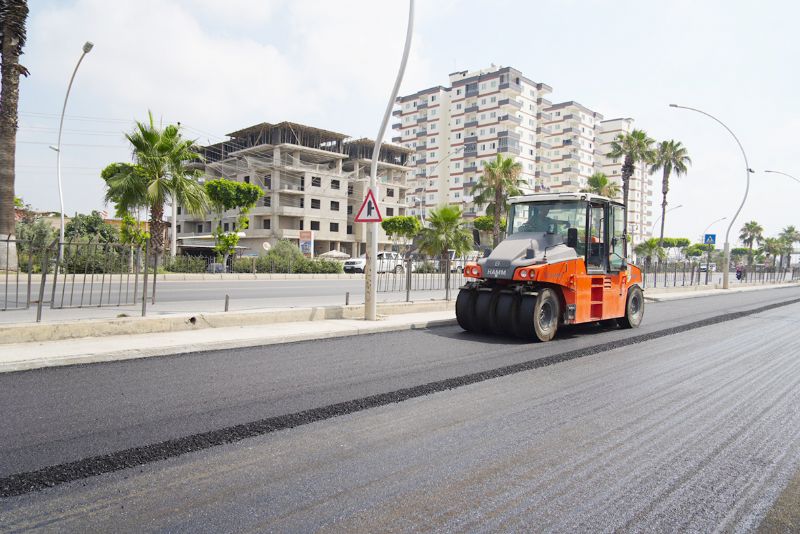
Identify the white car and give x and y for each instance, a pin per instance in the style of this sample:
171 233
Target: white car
387 262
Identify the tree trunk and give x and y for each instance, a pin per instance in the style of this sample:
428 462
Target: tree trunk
664 191
498 213
627 172
157 229
9 101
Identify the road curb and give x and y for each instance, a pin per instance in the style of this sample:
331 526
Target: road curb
122 355
41 332
667 294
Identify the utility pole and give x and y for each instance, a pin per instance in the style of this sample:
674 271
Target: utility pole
370 301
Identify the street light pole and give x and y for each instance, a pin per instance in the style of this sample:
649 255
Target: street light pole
87 47
653 229
370 293
783 173
748 170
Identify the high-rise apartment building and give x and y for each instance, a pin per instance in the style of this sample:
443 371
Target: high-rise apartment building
571 151
454 129
312 179
498 110
640 195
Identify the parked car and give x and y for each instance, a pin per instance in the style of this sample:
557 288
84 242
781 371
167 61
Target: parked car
387 262
705 267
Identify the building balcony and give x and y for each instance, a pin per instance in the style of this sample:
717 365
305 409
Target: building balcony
290 211
422 161
290 188
422 104
397 125
471 109
397 139
421 147
471 168
510 102
471 124
422 119
397 112
510 150
511 118
422 133
471 92
470 140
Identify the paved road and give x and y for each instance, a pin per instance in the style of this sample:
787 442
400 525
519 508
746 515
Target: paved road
687 431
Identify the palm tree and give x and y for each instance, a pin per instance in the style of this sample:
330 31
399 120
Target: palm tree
671 156
634 147
446 231
751 233
771 247
650 248
500 180
160 173
790 235
13 14
599 184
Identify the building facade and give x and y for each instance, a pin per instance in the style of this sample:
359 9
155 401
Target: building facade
312 179
452 130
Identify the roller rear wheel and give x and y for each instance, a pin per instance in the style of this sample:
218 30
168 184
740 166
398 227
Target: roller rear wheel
484 312
505 314
634 309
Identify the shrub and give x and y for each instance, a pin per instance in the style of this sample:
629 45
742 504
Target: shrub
186 264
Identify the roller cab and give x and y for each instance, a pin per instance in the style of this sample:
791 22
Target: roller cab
563 262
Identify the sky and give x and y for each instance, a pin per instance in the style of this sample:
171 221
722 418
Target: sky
218 66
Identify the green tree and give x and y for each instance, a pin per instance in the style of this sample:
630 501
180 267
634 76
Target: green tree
228 195
13 14
446 231
634 147
670 157
91 227
500 179
751 233
790 235
599 184
132 232
401 227
485 223
770 248
161 172
650 248
697 249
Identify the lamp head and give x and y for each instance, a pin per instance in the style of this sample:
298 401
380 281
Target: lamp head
87 47
673 105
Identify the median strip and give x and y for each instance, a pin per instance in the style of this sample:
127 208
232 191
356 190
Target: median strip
28 482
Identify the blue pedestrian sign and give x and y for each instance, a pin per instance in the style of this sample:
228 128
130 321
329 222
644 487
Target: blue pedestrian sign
710 239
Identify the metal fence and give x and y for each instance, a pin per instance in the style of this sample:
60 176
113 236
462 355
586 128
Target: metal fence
421 273
677 274
75 274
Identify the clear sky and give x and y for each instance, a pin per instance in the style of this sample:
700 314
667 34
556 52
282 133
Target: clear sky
217 66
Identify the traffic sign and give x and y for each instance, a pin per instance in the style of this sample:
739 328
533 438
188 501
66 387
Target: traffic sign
369 211
710 239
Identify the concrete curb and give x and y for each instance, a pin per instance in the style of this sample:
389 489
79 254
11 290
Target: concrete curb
27 333
670 293
131 354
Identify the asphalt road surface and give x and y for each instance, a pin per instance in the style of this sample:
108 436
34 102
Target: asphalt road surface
694 428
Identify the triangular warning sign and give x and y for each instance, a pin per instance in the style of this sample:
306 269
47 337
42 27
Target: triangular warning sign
369 211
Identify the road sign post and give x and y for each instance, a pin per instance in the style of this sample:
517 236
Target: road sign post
709 240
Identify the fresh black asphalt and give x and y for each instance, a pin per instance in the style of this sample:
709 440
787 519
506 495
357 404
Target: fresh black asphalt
47 457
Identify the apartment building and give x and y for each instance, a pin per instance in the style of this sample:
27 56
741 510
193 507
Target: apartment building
453 129
640 196
570 141
313 179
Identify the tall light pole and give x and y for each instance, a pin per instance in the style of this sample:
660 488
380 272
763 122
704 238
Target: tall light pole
748 170
783 173
87 47
370 293
709 226
653 229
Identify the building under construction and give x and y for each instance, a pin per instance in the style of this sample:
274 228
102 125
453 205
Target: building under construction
312 179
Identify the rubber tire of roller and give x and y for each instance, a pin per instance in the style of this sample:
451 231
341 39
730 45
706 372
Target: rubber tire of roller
505 315
634 309
465 308
484 312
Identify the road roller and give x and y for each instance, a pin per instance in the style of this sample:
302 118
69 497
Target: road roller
563 262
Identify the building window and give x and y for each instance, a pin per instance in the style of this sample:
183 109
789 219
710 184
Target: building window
334 205
334 227
389 212
199 228
266 224
178 228
458 135
301 224
389 192
267 202
458 165
179 210
316 181
302 202
458 106
349 190
350 229
458 91
225 227
315 225
247 179
349 209
335 184
315 203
